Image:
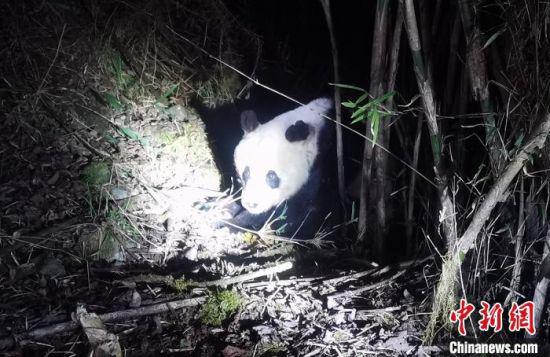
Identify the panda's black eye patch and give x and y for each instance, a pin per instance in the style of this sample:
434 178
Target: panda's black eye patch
298 131
272 179
246 174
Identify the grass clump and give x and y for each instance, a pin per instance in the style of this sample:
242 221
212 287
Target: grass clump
181 284
95 176
118 220
219 307
273 348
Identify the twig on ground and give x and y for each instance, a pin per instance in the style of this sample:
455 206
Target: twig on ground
363 315
352 293
245 277
223 282
115 316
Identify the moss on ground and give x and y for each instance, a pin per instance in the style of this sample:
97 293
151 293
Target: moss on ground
219 307
96 174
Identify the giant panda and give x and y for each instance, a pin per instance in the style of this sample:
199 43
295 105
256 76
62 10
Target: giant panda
280 165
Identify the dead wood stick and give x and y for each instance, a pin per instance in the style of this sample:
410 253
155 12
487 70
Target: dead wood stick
115 316
261 284
351 293
223 282
320 279
361 315
345 278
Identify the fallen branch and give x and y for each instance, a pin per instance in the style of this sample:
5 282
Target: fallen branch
351 293
346 278
115 316
364 315
287 282
223 282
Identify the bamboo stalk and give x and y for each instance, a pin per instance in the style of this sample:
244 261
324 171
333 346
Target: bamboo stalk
476 64
376 88
337 107
447 213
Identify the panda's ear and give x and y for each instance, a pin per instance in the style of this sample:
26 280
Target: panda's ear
249 121
298 131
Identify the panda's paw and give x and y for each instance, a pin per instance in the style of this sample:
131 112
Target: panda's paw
232 224
222 213
239 222
230 210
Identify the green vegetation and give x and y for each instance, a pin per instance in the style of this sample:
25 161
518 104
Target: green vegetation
118 221
219 307
96 174
271 349
366 108
181 284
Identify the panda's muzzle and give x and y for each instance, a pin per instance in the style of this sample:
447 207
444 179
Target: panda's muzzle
250 205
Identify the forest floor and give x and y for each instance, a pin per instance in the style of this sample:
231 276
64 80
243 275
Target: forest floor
106 211
108 191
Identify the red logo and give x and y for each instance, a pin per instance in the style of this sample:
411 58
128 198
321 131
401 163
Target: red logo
490 317
520 317
464 311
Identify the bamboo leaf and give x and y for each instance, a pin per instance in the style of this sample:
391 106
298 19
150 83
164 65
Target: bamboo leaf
519 141
164 97
362 98
387 96
111 139
360 111
349 104
129 133
436 148
348 86
133 135
113 101
359 119
492 39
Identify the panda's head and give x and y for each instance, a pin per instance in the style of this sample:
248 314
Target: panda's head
274 159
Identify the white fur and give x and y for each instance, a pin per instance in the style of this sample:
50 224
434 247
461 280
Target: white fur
266 148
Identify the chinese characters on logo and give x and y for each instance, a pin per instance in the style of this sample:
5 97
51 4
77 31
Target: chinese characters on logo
520 317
